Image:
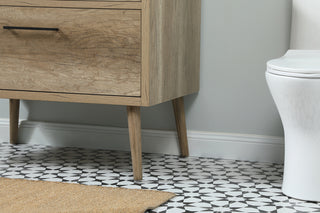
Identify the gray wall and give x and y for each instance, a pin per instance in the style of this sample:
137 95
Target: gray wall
238 37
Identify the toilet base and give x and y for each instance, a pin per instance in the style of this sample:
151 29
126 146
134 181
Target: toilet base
301 178
298 101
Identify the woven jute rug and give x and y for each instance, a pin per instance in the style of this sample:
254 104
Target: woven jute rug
17 196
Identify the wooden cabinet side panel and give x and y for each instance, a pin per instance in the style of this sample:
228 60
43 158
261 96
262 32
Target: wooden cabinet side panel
174 49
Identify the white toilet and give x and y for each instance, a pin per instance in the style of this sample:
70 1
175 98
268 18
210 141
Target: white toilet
294 82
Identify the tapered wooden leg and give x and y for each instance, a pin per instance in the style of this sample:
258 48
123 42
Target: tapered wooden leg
178 106
134 124
14 120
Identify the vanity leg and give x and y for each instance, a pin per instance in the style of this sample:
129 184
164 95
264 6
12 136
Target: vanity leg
14 120
134 125
178 106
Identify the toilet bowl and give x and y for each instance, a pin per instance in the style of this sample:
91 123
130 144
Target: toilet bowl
294 82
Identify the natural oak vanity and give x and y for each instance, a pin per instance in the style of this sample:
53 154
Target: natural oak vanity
120 52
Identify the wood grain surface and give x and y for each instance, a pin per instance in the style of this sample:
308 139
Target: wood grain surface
73 98
134 126
117 4
14 106
171 51
94 52
180 117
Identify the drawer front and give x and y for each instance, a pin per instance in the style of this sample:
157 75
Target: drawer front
95 51
116 4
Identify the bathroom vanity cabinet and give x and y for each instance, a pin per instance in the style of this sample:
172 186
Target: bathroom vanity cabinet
121 52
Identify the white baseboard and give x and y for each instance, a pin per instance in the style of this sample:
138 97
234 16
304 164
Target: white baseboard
201 144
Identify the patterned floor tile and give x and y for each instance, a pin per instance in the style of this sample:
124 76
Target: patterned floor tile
202 185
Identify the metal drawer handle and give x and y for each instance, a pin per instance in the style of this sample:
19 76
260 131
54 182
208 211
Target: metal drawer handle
30 28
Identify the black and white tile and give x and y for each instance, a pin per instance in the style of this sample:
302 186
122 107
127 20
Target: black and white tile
202 185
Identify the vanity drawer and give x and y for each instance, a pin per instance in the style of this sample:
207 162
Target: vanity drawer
94 51
106 4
